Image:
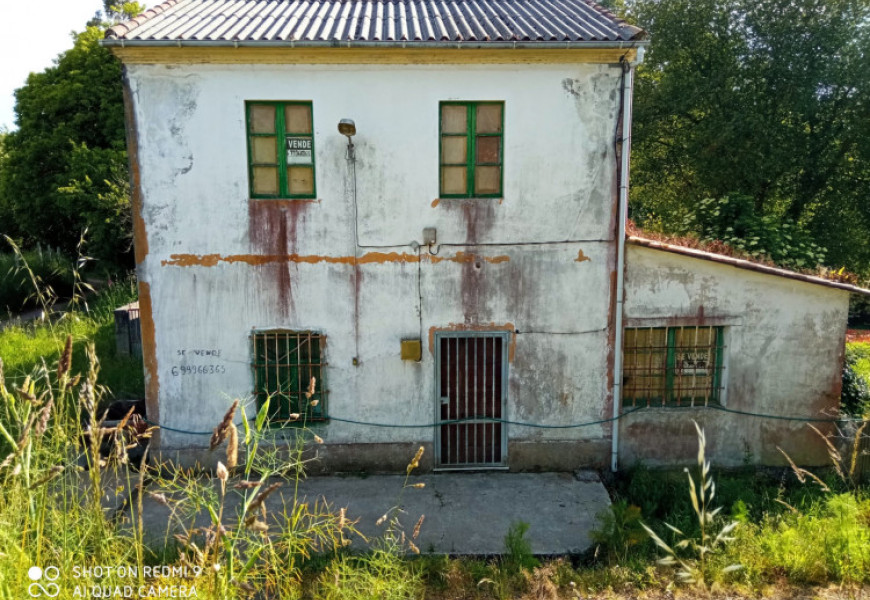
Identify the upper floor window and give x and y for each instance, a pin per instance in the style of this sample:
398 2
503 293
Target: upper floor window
472 149
280 149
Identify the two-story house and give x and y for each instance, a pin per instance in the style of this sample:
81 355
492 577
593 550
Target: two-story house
420 206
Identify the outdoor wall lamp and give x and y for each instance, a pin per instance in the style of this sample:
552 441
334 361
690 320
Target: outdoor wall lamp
347 127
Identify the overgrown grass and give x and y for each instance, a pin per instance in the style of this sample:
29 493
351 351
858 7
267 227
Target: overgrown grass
50 512
73 501
50 267
23 348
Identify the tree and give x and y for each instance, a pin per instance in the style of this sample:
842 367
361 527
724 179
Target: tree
766 99
62 167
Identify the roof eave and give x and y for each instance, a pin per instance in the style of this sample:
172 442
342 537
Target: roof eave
746 264
454 44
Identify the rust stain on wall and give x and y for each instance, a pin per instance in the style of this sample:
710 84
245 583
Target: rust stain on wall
140 237
149 354
211 260
509 327
581 257
272 228
479 218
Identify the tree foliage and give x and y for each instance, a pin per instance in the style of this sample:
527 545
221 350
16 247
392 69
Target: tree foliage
762 99
734 220
65 167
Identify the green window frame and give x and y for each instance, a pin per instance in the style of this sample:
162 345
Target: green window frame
471 149
281 152
673 366
284 362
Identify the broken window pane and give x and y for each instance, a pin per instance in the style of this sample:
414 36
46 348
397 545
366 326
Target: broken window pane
264 150
454 150
454 180
265 181
489 118
487 180
454 118
487 149
297 118
262 118
300 181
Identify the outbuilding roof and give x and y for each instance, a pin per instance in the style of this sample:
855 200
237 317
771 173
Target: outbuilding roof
745 264
485 23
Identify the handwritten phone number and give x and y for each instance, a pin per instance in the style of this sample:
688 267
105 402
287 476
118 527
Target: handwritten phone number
199 370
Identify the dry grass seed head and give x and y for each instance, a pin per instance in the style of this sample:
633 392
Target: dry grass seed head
417 527
415 462
44 416
63 365
246 485
261 497
233 447
159 498
222 430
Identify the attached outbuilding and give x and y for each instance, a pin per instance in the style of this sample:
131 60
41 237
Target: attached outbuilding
751 352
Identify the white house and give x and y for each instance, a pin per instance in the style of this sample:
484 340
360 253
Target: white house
421 205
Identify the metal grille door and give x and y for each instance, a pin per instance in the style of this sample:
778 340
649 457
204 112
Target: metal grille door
471 375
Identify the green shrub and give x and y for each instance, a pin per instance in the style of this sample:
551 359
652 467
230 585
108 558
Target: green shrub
619 531
379 575
518 551
733 219
855 394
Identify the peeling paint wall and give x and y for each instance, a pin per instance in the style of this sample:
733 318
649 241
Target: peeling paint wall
784 351
537 262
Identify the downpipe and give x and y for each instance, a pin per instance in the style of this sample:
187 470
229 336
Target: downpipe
627 95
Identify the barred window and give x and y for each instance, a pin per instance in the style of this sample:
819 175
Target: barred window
672 366
284 364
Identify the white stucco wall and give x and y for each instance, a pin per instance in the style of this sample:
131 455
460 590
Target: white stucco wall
784 349
542 256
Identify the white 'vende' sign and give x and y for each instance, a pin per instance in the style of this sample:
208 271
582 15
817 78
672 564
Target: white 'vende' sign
298 151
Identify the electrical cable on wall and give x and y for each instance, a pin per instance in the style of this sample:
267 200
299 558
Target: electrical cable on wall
543 426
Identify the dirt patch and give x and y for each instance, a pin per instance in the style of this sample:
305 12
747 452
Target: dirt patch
857 335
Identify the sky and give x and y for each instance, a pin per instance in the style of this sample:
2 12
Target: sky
32 34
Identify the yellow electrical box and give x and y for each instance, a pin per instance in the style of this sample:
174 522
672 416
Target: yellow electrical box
412 350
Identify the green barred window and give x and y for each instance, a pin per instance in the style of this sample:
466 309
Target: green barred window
284 364
280 149
672 366
471 149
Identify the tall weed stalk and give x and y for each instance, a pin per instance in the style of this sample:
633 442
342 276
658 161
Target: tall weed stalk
690 555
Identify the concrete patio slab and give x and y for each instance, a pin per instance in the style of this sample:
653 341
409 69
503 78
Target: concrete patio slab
465 513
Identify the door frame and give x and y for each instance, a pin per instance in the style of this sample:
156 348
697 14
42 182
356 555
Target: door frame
440 336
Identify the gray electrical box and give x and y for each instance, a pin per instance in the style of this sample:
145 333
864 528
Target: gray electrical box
430 236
